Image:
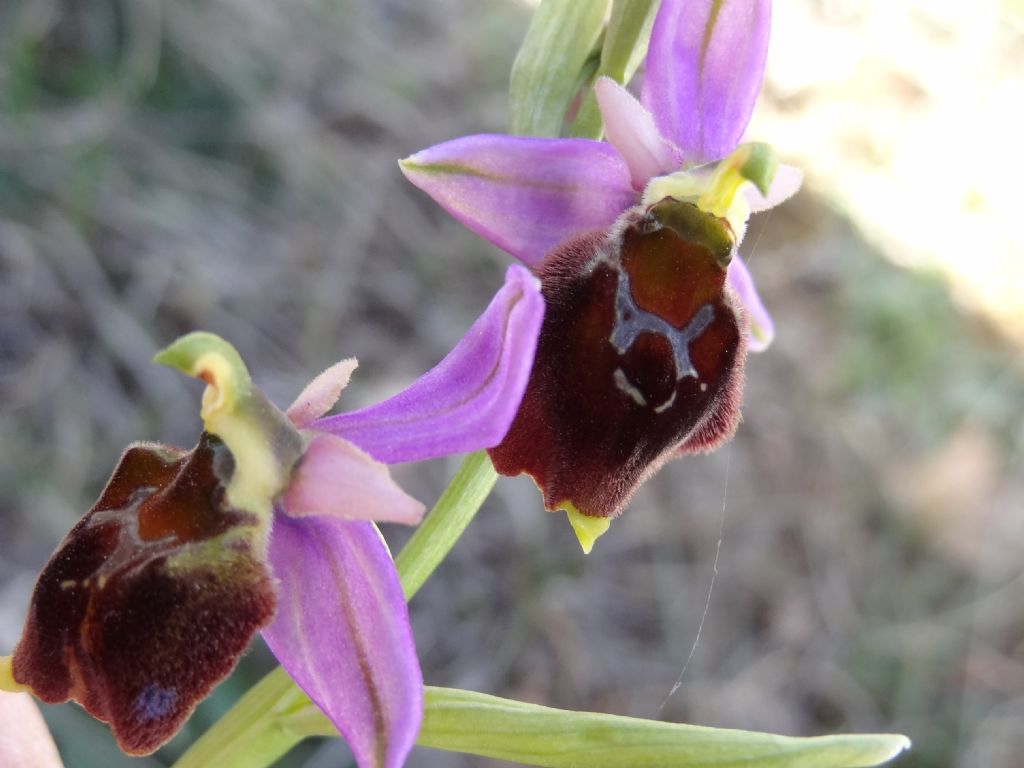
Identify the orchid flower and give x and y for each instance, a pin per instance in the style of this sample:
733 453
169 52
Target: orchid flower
650 308
266 524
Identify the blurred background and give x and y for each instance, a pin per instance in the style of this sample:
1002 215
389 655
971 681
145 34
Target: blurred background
231 166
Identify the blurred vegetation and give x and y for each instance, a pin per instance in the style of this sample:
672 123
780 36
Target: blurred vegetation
231 166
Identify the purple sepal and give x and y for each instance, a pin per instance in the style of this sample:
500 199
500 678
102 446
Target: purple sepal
468 400
342 632
525 195
761 331
705 65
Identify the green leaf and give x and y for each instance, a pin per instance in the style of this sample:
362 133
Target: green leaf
478 724
464 721
547 68
625 47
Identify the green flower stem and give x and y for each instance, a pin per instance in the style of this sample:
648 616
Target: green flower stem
252 733
625 46
263 724
529 734
437 534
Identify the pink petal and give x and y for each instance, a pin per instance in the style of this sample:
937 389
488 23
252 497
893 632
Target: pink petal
631 130
786 183
25 740
337 479
762 327
466 402
321 393
525 195
342 632
705 65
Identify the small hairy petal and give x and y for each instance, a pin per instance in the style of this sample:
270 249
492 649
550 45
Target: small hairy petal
761 331
342 632
337 479
150 599
705 65
25 741
631 130
786 183
525 195
321 393
468 400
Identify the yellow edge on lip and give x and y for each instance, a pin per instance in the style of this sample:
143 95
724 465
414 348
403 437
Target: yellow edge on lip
587 529
7 681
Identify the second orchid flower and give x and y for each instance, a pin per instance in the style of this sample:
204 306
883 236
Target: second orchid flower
266 526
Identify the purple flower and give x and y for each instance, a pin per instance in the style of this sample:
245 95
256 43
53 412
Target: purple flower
650 308
266 525
705 64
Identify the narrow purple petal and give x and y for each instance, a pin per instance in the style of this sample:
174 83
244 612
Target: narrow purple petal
525 195
337 479
466 402
321 393
762 327
631 130
342 632
705 65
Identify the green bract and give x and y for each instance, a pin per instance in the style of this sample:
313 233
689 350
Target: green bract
558 43
625 45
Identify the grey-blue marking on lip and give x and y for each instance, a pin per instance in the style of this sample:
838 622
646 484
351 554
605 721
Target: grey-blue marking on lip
631 321
154 701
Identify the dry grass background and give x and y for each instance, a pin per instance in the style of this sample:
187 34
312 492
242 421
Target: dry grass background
166 166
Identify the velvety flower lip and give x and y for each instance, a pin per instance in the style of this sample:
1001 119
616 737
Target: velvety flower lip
640 360
705 64
266 524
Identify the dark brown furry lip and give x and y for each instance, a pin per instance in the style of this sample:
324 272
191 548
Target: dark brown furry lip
640 359
150 599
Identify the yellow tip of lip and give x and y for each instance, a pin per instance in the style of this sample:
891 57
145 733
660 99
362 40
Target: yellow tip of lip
7 681
587 529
